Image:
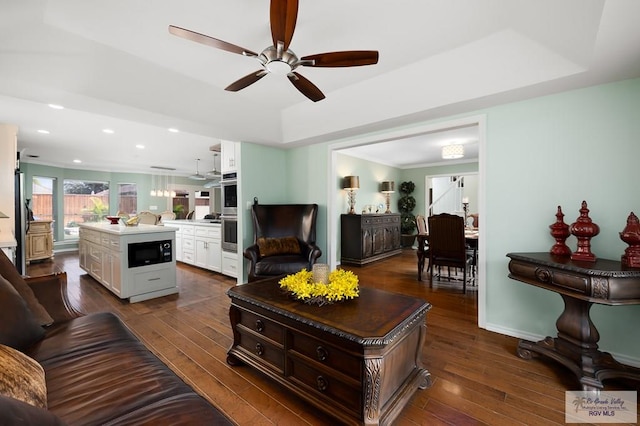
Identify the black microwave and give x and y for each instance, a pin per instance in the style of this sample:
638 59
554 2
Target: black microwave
149 253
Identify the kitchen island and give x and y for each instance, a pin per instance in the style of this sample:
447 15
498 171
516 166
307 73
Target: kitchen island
133 262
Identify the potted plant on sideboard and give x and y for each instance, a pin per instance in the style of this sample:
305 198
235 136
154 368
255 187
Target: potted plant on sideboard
406 204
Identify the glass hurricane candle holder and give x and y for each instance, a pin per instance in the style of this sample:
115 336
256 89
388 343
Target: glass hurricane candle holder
321 273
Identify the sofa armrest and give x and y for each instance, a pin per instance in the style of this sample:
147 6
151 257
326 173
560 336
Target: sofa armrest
51 292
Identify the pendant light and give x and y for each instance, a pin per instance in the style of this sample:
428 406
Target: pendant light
197 176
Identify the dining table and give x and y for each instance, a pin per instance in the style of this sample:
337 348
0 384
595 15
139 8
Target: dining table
471 236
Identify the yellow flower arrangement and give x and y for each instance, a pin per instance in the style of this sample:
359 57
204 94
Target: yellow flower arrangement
342 285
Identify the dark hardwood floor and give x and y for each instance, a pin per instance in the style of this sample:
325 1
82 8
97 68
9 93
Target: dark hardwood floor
477 377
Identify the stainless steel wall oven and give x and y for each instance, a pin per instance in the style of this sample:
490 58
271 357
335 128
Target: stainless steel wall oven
230 233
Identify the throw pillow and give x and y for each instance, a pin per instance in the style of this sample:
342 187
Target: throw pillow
275 246
18 326
22 378
9 271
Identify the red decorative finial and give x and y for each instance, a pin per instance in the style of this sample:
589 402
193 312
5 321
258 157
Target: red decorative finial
631 235
584 229
560 231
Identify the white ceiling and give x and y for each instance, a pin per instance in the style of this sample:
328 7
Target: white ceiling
113 64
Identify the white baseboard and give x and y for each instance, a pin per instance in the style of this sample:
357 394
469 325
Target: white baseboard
625 359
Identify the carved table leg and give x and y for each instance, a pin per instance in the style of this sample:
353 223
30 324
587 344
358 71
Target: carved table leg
234 317
576 347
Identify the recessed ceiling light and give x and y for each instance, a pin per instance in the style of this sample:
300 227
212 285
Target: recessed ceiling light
173 130
108 131
44 132
140 146
77 161
55 106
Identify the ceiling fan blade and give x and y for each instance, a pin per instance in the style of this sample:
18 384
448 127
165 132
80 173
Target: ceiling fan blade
349 58
209 41
305 87
284 14
245 81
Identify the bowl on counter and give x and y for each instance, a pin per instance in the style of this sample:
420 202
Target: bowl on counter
113 219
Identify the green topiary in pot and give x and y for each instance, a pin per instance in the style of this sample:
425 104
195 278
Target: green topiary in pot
406 204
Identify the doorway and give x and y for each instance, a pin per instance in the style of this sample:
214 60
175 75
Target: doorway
334 203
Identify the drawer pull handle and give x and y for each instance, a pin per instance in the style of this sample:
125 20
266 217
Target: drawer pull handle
543 275
322 353
322 383
259 349
259 326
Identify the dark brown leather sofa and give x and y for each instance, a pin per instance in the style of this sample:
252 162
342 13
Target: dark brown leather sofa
275 226
96 371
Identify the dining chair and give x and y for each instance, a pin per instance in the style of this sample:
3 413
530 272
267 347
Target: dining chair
423 245
447 245
148 218
167 215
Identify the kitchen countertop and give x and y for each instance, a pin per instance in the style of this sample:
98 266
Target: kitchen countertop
120 229
205 222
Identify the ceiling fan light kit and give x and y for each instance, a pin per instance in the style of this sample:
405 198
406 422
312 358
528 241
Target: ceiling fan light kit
278 59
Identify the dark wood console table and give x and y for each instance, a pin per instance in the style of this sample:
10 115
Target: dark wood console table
580 284
358 360
369 237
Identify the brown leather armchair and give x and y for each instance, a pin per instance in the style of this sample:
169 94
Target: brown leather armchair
284 239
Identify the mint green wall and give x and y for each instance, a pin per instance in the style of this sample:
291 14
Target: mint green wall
307 183
541 153
371 176
560 150
143 181
264 175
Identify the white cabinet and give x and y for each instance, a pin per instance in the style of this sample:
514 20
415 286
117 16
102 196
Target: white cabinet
207 242
230 264
230 155
200 244
111 263
187 247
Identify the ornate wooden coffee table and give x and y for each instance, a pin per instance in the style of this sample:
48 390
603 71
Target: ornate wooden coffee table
357 360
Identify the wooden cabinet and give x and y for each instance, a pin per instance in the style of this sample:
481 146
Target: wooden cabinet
39 244
358 361
369 237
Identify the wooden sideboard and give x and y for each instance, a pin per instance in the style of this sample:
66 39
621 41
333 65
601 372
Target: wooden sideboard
357 360
369 237
39 244
580 284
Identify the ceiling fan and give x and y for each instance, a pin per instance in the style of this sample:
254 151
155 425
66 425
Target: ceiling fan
278 58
